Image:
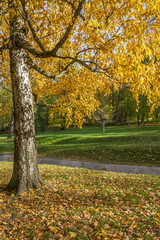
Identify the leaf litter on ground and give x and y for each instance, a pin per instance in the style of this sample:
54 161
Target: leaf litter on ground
81 204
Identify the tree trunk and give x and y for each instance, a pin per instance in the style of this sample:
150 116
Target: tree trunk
2 121
129 120
138 123
103 125
113 106
11 127
142 120
25 170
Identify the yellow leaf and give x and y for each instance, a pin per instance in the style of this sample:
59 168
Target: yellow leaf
73 234
53 229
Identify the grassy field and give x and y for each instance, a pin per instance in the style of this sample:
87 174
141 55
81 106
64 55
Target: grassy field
122 145
81 204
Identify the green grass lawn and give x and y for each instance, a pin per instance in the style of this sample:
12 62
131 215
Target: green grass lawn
81 204
122 145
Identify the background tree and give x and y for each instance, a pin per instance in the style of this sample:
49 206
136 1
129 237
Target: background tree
156 114
127 107
143 108
11 125
104 113
106 39
5 108
41 118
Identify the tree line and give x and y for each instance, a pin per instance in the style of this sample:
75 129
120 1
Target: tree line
117 108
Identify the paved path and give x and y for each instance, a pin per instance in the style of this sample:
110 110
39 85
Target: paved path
132 169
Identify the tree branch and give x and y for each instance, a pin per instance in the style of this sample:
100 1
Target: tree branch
152 20
109 14
49 75
46 54
52 106
26 45
31 27
96 69
73 7
84 50
6 89
81 62
4 47
69 29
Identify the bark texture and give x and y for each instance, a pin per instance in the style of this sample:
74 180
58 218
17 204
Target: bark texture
11 127
25 170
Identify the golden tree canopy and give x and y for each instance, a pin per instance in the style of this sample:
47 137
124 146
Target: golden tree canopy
80 46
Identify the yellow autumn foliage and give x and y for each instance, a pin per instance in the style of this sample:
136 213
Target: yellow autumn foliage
112 42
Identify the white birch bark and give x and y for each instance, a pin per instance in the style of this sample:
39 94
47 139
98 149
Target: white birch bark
25 171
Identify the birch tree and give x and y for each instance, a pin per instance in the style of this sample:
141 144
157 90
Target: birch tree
71 48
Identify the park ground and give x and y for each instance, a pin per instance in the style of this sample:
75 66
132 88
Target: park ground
81 204
85 204
119 145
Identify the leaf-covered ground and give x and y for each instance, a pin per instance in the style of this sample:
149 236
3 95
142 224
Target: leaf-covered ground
82 204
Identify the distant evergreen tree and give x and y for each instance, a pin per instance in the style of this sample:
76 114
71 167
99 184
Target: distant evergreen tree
41 118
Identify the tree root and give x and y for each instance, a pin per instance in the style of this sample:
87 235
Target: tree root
23 185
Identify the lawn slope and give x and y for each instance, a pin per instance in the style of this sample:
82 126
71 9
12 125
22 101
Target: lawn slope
121 145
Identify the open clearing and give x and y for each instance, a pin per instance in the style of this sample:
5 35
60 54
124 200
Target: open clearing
119 145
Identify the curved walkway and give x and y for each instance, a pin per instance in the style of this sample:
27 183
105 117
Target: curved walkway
131 169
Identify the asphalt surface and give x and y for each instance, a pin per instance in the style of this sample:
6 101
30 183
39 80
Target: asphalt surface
130 169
